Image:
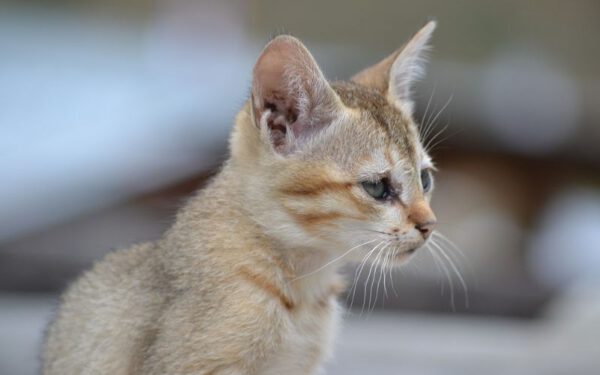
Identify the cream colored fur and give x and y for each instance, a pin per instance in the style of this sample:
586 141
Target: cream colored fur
243 282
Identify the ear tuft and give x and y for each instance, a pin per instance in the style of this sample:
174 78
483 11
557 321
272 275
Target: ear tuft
290 95
395 75
409 66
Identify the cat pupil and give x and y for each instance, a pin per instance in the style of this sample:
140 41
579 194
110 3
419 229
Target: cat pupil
378 189
426 180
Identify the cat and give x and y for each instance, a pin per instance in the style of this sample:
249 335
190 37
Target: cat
245 281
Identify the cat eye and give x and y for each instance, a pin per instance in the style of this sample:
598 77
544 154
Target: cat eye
426 179
379 190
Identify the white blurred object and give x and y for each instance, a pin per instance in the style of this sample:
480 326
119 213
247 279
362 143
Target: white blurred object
96 109
23 320
531 105
576 314
565 248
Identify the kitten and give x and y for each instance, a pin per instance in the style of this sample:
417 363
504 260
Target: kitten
245 282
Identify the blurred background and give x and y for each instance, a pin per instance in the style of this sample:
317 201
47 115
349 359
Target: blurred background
113 111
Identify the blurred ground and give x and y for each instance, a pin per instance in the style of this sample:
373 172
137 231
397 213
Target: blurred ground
384 343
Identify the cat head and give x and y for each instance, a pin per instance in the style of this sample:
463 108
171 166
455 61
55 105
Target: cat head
336 165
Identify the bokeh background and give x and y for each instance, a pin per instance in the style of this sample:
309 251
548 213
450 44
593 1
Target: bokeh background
113 111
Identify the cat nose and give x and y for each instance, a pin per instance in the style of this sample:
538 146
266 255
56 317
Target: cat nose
425 228
422 217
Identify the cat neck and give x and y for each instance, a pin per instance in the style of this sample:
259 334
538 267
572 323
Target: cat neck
217 228
315 279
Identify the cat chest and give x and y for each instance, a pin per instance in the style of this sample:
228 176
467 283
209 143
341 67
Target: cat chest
306 340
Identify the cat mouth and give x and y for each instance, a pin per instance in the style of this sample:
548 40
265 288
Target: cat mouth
407 253
410 251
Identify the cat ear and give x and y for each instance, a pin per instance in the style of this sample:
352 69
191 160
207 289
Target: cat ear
395 75
291 98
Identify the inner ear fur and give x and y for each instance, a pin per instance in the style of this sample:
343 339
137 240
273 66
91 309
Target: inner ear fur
395 75
290 94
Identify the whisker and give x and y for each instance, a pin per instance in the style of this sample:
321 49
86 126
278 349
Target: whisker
333 260
452 245
462 259
448 277
443 139
358 271
437 134
381 270
392 269
386 263
437 266
435 119
373 264
456 271
443 108
425 118
376 231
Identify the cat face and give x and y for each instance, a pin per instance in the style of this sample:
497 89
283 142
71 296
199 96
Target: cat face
342 165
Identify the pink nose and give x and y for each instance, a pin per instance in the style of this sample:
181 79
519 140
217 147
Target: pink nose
423 217
426 228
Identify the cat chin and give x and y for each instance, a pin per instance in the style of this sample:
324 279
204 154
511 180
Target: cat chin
404 256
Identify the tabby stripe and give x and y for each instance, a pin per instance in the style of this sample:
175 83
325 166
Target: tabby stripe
314 219
269 287
317 189
341 188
